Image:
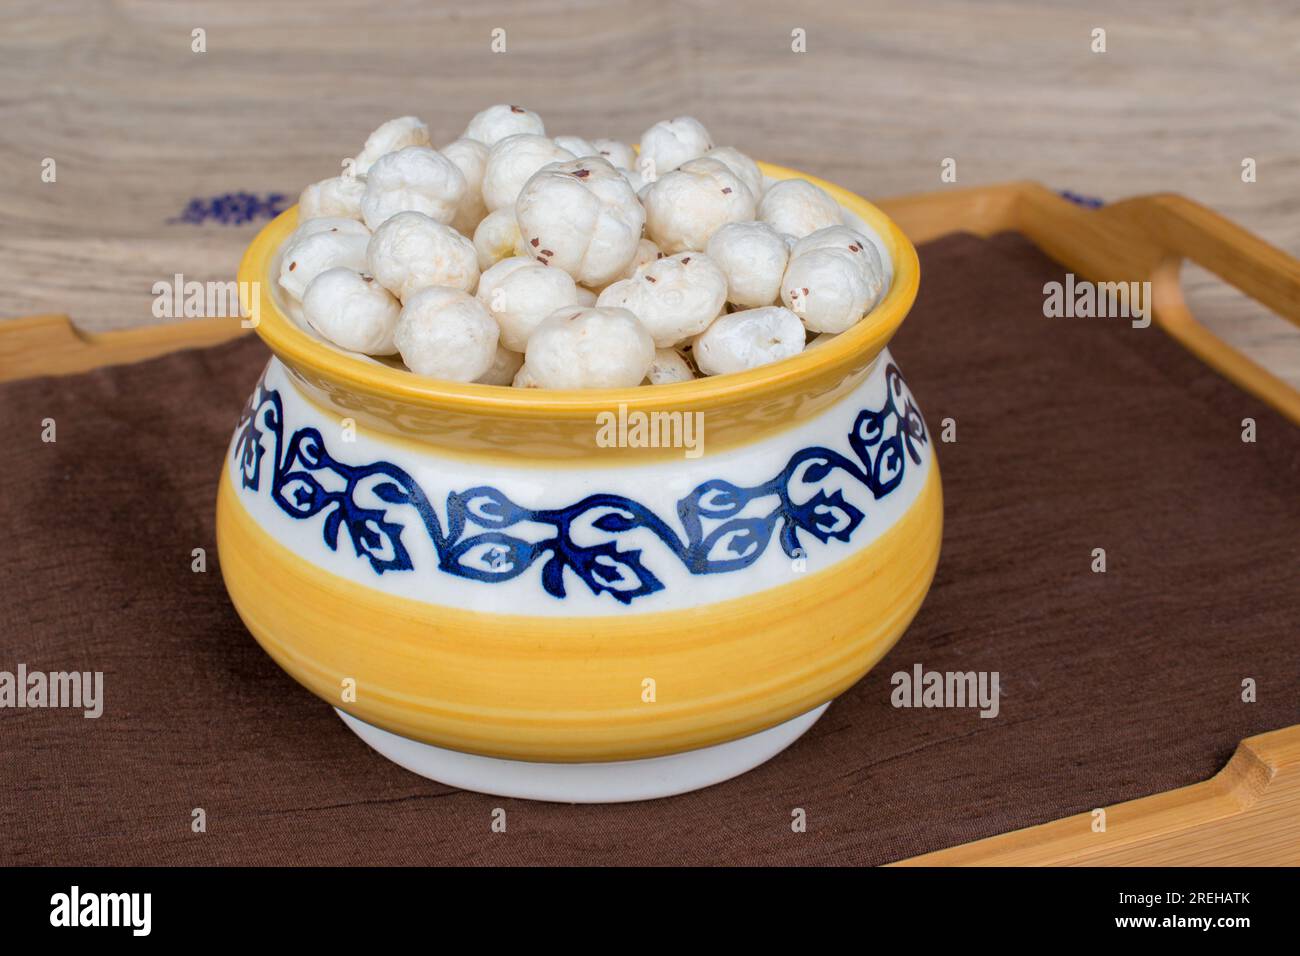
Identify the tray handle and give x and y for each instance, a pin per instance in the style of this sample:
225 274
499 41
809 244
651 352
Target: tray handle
1173 228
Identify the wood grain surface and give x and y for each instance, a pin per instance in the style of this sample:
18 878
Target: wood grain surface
139 125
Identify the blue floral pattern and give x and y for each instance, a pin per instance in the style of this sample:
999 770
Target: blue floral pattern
720 526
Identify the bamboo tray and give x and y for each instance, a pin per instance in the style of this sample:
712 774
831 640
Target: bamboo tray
1248 813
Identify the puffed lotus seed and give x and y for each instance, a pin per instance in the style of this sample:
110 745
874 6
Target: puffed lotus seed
675 297
520 293
446 333
309 227
747 339
524 378
589 348
311 255
496 238
581 216
617 154
470 157
668 367
411 252
389 138
512 162
753 257
634 179
797 207
353 311
505 366
646 253
592 273
414 179
852 241
685 207
578 146
497 122
339 196
669 143
827 289
740 164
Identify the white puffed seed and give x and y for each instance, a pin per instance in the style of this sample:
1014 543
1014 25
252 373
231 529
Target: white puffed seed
338 196
646 253
411 252
581 216
753 257
617 154
309 227
634 179
669 143
497 122
389 138
589 348
827 289
797 207
668 367
520 293
675 297
586 297
496 238
688 205
512 162
740 164
470 157
353 311
446 333
524 378
308 257
849 239
414 179
578 146
748 339
505 366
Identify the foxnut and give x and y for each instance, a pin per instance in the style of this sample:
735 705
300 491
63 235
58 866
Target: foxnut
446 333
589 348
410 252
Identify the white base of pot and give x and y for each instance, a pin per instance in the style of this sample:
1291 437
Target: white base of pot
610 782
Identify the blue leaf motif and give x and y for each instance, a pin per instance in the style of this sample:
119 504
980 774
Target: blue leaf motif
830 516
491 556
736 544
306 481
387 491
618 573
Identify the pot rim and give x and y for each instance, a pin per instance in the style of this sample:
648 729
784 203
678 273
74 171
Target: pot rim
847 352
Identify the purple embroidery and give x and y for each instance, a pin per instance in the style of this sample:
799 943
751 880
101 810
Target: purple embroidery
233 209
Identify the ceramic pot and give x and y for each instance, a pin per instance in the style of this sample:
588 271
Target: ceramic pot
514 591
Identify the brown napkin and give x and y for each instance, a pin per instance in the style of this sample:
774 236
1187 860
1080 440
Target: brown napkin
1072 434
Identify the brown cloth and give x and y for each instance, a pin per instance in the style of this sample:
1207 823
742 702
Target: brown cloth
1072 434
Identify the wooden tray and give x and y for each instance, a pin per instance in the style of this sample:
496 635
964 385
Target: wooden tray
1248 813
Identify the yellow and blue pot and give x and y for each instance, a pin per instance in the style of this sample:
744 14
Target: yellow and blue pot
495 595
